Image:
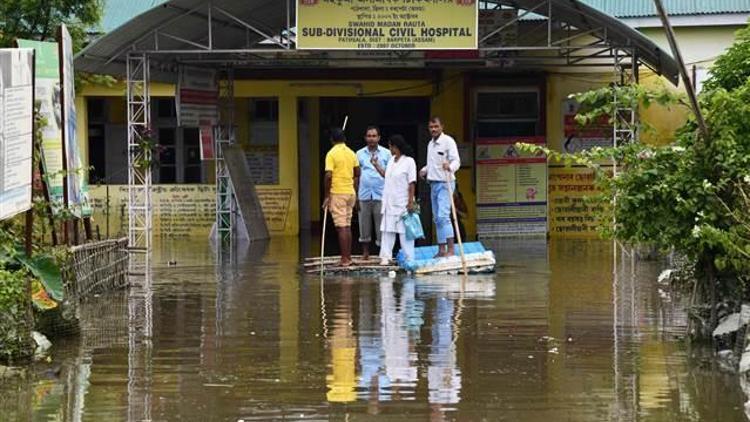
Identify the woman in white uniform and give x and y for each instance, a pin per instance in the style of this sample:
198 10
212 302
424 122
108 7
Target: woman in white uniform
398 198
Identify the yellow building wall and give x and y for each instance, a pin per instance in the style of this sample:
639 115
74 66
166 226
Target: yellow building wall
313 105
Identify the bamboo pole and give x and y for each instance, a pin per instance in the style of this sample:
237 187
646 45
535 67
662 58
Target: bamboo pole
455 225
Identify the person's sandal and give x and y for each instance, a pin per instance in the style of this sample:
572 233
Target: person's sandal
385 262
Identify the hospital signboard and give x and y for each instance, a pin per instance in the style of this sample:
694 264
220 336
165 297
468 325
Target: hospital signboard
387 24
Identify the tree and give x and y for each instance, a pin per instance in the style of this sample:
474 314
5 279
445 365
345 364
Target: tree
691 196
732 69
39 19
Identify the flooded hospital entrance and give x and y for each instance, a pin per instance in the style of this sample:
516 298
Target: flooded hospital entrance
570 330
405 116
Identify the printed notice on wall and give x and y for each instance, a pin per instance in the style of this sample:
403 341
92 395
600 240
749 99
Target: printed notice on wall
264 164
570 213
16 127
387 24
197 97
577 138
511 188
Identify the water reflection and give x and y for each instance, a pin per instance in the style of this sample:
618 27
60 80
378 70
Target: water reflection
391 315
400 321
570 330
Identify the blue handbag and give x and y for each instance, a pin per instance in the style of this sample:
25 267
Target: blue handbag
413 225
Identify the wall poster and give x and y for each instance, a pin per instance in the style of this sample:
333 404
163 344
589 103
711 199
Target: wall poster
511 188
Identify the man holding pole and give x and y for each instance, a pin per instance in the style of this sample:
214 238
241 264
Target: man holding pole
370 191
341 184
442 164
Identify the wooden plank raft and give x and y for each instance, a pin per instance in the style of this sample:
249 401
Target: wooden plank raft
360 266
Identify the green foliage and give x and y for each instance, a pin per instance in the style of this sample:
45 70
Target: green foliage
44 267
39 19
732 69
599 102
15 321
150 145
691 196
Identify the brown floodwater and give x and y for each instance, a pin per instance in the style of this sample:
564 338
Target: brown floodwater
565 331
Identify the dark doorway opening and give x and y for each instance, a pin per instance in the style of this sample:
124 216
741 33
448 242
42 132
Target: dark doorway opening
406 116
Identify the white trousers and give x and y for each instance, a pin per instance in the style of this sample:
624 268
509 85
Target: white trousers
388 240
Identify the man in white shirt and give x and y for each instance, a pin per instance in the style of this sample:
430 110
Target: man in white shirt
442 164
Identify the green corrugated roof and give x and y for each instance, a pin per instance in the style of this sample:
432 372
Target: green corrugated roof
117 12
642 8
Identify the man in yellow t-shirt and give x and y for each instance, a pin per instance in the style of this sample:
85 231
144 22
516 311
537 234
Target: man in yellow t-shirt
341 185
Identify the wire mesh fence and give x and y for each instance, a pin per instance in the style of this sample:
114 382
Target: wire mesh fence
96 268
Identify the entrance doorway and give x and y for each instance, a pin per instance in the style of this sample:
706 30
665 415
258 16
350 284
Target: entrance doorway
407 116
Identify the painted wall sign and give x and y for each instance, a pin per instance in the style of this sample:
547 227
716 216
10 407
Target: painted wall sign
16 130
47 96
387 24
511 188
570 214
183 211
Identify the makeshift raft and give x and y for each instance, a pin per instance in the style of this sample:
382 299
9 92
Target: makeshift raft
478 261
360 266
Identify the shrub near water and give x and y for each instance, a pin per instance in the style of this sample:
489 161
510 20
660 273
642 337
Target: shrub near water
15 318
691 197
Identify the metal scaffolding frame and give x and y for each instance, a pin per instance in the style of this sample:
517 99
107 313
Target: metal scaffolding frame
224 134
140 300
625 120
625 296
139 161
